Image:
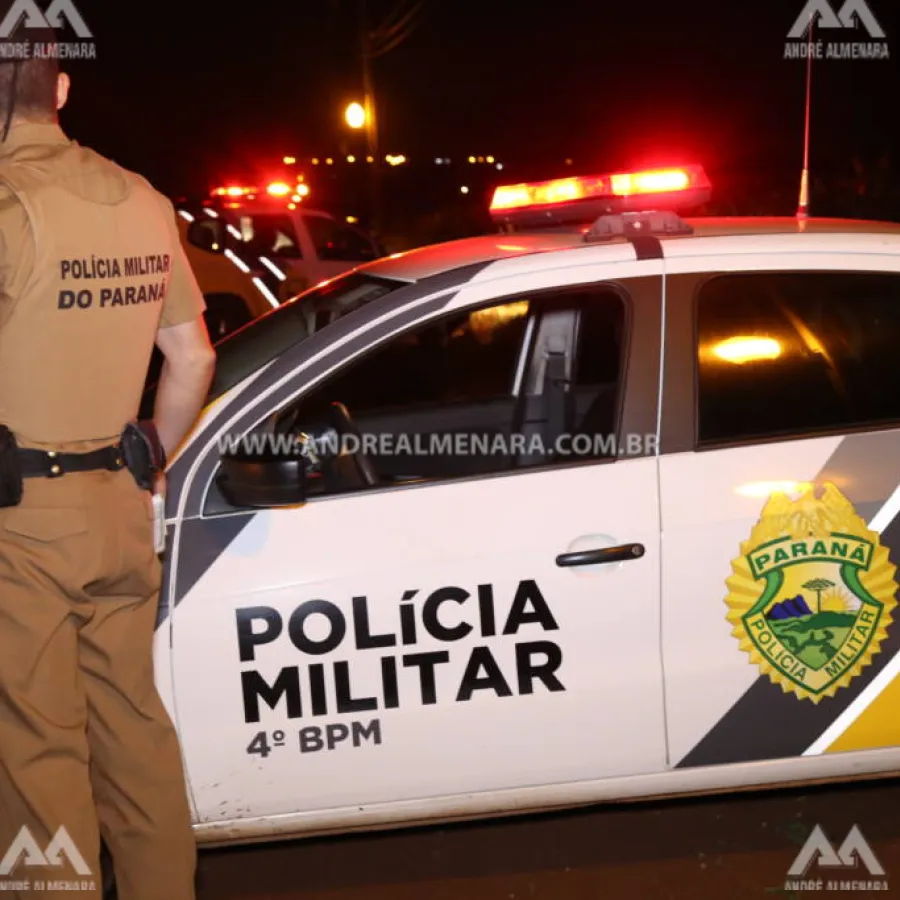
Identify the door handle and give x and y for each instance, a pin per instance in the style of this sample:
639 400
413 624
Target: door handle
599 557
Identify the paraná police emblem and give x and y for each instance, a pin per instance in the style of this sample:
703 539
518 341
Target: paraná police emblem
812 594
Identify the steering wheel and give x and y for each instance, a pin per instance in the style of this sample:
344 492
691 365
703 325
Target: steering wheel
340 468
344 425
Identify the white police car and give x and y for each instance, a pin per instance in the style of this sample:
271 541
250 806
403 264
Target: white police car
623 522
286 244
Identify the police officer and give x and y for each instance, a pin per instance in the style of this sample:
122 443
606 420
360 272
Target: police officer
91 276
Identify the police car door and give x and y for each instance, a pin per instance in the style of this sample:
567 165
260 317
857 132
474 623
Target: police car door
486 617
779 479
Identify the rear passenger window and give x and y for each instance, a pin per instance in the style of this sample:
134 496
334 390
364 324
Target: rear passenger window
789 354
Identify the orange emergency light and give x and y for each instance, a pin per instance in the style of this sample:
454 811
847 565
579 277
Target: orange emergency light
583 198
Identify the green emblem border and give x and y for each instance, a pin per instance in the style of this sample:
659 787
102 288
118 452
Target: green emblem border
774 580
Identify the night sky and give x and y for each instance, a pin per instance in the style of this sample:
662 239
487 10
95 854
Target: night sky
188 93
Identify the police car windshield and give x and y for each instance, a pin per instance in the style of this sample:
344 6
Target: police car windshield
266 338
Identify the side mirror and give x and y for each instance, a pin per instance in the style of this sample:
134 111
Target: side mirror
208 234
262 482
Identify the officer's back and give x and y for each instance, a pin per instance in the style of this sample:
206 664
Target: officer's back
92 274
82 303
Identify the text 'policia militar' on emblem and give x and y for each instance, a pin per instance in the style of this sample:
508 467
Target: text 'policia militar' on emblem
395 679
812 594
156 266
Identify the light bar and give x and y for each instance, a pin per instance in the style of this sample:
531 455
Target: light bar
233 191
642 190
660 181
547 193
279 190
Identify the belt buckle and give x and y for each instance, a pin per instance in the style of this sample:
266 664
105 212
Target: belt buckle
54 469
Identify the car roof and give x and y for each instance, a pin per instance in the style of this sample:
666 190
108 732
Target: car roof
413 265
738 225
422 262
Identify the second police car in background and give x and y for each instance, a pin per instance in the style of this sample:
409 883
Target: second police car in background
233 295
252 248
703 599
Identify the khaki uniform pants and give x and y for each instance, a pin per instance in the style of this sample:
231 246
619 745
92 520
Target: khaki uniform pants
85 741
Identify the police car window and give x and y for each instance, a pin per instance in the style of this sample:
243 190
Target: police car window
440 401
270 236
468 357
597 378
788 354
446 381
336 242
600 335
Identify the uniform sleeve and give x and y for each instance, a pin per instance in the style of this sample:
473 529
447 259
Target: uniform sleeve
184 300
17 252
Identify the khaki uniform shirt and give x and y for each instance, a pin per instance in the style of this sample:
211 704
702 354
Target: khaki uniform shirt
91 266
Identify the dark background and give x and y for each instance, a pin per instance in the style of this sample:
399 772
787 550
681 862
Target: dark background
195 94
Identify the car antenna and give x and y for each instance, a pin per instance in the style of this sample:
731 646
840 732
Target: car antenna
803 205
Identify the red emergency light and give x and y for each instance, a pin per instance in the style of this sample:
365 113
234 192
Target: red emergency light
583 198
276 191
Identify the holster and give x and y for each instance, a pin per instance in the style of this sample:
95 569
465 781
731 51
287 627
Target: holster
10 469
143 452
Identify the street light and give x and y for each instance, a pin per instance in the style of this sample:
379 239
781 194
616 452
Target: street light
355 115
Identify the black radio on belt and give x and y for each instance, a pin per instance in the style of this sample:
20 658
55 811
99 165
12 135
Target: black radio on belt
139 450
143 452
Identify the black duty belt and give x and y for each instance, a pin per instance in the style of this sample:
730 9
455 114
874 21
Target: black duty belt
51 464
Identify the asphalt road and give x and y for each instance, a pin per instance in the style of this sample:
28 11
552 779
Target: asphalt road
736 848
